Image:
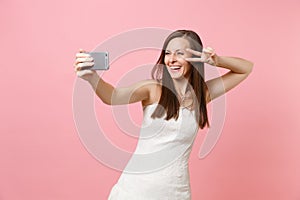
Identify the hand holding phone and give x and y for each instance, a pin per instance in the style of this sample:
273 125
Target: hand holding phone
85 63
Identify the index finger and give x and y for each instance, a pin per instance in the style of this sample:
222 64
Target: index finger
197 53
82 55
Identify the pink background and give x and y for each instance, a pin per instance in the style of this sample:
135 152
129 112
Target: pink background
42 157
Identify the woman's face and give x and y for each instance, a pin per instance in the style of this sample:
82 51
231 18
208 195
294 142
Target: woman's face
175 55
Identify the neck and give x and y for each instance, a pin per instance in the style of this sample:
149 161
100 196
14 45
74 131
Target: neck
181 85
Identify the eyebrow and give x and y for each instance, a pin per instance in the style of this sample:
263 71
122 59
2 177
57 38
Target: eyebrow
176 50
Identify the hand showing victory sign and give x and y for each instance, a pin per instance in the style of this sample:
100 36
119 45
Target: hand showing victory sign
208 55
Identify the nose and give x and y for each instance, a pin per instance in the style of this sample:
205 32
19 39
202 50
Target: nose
172 57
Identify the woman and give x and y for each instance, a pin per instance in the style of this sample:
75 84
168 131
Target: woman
174 103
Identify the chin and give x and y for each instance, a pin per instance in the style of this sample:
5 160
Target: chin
178 77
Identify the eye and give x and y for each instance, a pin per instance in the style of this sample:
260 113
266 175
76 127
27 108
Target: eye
180 53
167 53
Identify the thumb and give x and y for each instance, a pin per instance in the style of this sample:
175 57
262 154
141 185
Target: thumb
81 51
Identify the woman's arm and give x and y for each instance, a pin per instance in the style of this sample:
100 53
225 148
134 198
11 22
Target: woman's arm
110 95
123 95
239 70
139 91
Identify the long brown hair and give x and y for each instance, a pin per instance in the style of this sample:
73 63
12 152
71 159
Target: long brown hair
168 100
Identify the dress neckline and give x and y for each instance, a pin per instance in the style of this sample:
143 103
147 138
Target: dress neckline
156 103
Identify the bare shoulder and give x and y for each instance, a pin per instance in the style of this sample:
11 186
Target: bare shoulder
149 82
154 88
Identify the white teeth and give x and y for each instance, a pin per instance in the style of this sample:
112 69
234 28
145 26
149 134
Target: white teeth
175 67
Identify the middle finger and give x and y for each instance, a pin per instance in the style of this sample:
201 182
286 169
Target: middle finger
85 59
197 53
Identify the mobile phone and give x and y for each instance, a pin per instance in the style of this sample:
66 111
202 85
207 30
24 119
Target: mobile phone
101 60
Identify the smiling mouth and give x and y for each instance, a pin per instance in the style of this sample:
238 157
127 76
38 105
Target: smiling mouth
175 68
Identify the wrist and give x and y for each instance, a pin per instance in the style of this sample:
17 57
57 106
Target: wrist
94 80
218 60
